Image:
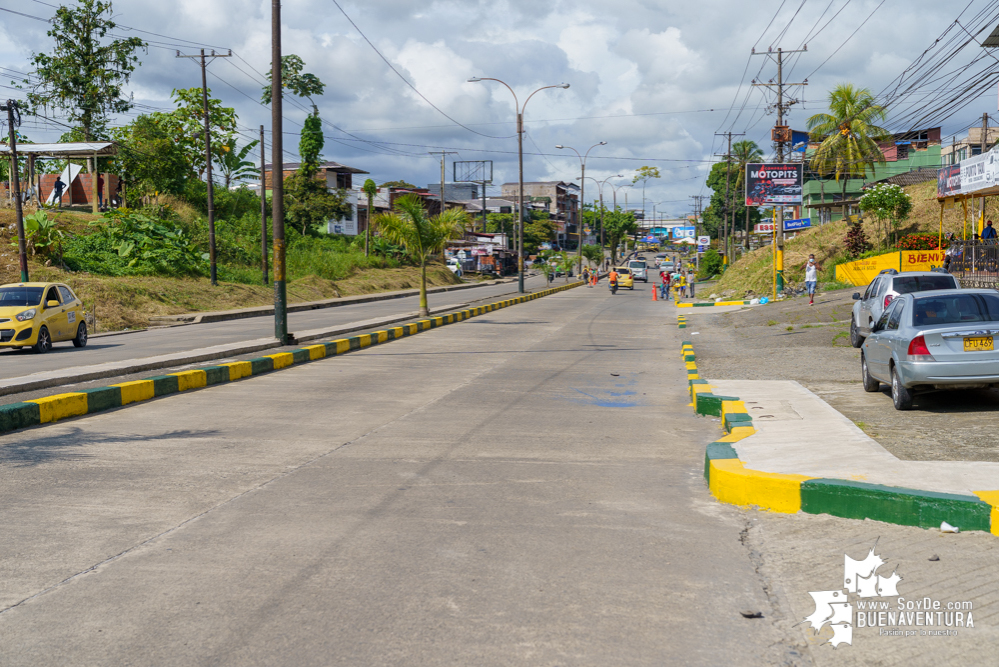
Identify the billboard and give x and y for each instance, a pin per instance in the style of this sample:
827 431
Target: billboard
949 181
769 184
684 232
793 225
979 172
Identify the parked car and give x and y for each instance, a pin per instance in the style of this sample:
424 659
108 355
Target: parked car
639 269
29 320
883 289
454 265
943 339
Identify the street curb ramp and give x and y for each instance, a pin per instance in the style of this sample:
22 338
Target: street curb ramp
731 482
50 409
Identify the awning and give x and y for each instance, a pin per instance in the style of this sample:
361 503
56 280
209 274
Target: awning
75 149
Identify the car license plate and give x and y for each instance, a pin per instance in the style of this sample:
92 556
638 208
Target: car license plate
980 344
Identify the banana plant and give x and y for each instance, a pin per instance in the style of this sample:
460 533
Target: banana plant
234 165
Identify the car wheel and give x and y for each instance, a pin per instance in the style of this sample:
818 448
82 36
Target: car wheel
855 338
81 336
44 343
901 396
870 383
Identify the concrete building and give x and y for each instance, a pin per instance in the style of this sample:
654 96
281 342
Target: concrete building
558 198
962 149
337 177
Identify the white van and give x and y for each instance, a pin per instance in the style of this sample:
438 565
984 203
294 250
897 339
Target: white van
639 270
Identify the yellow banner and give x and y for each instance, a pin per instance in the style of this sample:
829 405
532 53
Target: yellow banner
863 271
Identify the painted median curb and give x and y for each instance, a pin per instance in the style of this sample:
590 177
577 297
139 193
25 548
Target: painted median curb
731 482
714 303
49 409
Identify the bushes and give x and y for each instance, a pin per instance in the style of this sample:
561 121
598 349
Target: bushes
711 264
920 242
856 241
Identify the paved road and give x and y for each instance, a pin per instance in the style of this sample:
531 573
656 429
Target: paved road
178 339
520 489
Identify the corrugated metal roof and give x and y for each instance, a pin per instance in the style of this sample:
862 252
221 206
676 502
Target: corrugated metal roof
68 149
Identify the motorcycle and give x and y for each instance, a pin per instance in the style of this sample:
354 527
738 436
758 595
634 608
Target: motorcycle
613 288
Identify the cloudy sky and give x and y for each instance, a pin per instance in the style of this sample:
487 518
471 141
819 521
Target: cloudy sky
655 79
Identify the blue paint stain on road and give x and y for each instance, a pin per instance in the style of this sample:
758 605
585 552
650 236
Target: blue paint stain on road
603 403
622 393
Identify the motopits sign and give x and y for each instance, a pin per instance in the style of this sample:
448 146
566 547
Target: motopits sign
768 184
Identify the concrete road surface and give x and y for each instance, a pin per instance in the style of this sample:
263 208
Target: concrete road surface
520 489
140 344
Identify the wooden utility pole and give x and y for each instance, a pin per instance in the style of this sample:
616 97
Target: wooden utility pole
726 227
277 180
22 247
263 206
208 159
781 134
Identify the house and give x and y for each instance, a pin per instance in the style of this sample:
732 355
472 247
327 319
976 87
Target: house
337 177
962 149
558 198
909 157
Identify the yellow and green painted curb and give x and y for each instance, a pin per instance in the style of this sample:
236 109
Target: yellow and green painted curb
731 482
88 401
713 303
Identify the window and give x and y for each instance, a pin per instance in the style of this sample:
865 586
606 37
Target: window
955 309
67 295
872 289
896 314
908 284
882 322
902 152
20 296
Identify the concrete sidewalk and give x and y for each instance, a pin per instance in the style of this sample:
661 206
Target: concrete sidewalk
799 433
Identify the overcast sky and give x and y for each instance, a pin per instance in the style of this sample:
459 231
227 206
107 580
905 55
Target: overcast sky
654 79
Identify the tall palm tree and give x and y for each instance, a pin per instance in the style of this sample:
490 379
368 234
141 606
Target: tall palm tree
745 152
849 134
409 226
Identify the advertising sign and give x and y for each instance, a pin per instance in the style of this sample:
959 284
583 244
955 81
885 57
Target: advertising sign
979 172
949 181
768 184
792 225
703 240
763 228
684 232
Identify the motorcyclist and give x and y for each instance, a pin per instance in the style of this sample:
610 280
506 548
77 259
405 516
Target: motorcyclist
612 280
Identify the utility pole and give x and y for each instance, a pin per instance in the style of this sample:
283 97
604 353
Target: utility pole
780 134
277 180
22 248
985 132
208 159
698 207
443 155
263 206
728 199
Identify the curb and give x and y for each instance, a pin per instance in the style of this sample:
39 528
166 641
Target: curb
261 311
51 409
731 482
714 303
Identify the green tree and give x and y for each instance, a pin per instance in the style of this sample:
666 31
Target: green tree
642 176
83 76
540 229
187 125
234 165
744 153
409 225
849 134
370 189
594 254
617 226
149 158
398 184
711 264
303 85
890 205
310 145
309 203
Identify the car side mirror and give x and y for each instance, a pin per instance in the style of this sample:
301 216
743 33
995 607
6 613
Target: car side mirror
51 303
856 296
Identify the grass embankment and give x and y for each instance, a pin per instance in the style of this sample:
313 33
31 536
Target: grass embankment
127 302
751 274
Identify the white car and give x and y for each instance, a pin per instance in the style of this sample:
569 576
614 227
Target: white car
638 269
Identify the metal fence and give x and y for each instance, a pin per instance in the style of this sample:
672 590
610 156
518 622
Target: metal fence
974 263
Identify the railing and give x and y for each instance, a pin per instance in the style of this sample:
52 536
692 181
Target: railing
974 263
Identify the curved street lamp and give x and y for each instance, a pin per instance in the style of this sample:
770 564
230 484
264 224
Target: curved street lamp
582 197
601 189
520 159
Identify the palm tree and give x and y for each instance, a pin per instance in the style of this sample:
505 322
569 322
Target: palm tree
234 165
409 226
369 189
745 152
849 134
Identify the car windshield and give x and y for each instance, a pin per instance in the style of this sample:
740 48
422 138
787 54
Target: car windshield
637 265
955 309
20 296
907 284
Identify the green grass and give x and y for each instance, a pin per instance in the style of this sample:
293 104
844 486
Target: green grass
770 323
790 327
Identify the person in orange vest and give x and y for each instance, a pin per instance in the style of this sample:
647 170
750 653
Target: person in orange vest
612 279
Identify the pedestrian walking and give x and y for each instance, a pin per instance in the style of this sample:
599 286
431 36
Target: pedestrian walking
586 276
691 278
664 286
989 234
100 190
57 188
812 278
683 285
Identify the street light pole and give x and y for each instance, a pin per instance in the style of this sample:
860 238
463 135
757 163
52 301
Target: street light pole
600 188
582 198
616 188
520 166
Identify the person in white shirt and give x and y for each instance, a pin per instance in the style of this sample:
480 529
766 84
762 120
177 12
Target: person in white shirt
811 278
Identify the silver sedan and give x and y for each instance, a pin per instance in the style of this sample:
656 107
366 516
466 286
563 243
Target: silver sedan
943 339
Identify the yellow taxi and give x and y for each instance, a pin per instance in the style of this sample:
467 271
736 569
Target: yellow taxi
36 315
624 277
